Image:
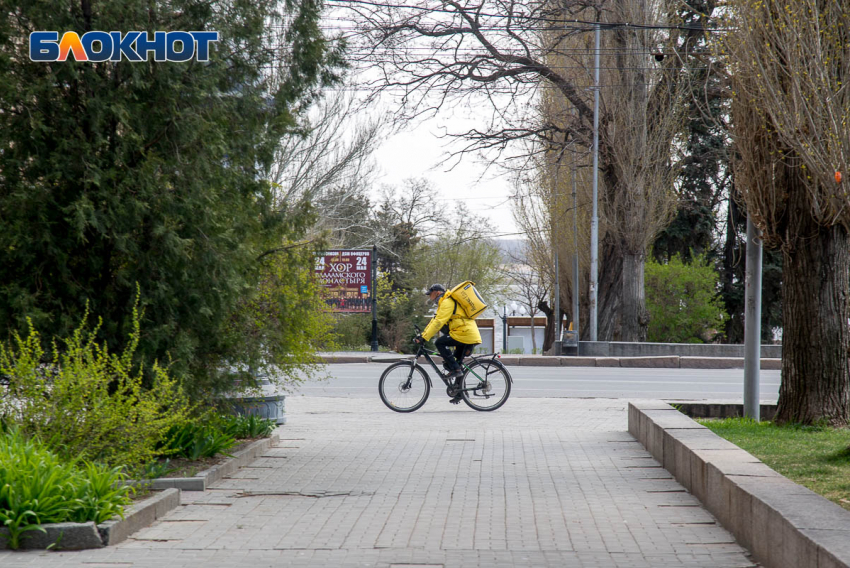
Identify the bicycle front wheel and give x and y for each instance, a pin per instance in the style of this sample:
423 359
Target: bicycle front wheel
404 386
486 385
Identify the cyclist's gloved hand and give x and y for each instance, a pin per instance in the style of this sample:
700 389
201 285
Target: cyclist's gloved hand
418 339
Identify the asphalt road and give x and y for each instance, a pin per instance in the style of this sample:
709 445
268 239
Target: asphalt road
361 381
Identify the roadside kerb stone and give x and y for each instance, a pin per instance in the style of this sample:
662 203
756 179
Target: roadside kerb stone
81 536
607 361
540 361
389 358
139 516
725 363
64 536
711 362
665 362
782 523
344 358
509 360
207 477
578 361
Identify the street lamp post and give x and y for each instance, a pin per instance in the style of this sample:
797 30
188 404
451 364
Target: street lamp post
504 317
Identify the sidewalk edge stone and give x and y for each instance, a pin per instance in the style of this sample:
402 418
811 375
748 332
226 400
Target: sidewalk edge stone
140 515
82 536
776 519
205 478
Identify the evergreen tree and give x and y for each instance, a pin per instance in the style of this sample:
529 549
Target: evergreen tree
115 174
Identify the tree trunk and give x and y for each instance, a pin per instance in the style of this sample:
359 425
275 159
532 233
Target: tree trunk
815 372
635 318
610 289
533 339
731 256
549 333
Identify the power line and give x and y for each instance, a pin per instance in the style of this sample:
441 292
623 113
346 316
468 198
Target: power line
563 22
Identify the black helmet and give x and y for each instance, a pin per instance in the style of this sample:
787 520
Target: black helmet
435 288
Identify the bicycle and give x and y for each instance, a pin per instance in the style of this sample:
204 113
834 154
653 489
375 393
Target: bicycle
405 386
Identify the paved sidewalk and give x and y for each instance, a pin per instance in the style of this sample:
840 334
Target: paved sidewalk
540 482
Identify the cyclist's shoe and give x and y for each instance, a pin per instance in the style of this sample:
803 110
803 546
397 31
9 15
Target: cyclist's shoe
456 374
456 399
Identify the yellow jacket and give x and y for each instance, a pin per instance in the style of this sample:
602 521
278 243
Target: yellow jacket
461 327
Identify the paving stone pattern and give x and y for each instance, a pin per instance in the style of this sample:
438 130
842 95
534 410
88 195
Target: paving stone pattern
539 482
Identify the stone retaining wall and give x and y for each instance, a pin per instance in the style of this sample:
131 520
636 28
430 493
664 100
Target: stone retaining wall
783 524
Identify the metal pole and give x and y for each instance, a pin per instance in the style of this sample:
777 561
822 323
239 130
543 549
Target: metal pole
505 329
374 298
557 287
752 322
594 220
575 258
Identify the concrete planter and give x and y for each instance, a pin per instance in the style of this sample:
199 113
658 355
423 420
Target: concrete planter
267 404
271 406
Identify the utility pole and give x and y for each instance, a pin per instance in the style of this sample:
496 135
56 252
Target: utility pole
752 322
575 259
374 298
557 342
594 220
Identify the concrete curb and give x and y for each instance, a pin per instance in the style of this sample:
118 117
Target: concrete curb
139 516
202 480
652 362
80 536
783 524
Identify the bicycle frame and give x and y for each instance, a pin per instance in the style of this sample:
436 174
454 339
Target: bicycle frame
422 351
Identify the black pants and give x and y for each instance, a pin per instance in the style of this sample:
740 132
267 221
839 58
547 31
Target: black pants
452 360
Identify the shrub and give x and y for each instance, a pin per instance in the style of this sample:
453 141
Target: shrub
87 403
683 302
37 487
353 331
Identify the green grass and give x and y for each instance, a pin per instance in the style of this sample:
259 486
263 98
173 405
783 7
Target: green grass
817 457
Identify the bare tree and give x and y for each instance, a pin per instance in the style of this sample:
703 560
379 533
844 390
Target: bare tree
440 52
791 114
330 168
530 286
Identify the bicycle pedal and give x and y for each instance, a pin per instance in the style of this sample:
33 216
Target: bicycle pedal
455 400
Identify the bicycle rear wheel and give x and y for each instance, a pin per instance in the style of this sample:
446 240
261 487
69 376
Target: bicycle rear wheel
404 386
490 384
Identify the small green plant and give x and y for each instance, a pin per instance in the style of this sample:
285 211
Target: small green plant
247 426
38 487
196 440
156 469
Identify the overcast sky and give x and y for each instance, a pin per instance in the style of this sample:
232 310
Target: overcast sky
420 152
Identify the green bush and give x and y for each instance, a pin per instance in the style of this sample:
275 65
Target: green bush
37 487
353 331
87 403
683 302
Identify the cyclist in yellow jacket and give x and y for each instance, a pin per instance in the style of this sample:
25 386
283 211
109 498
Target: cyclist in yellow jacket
460 332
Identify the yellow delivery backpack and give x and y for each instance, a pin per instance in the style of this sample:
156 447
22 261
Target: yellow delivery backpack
468 299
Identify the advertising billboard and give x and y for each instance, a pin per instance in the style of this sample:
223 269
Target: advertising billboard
347 278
